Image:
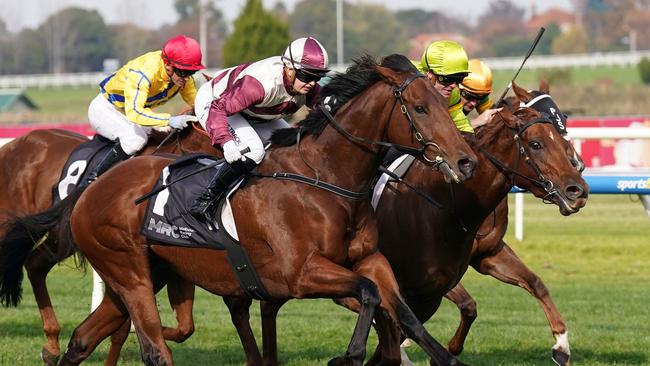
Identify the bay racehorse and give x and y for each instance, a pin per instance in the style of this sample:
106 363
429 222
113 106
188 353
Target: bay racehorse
31 167
304 242
491 255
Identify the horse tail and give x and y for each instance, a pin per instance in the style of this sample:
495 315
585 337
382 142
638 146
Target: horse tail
22 235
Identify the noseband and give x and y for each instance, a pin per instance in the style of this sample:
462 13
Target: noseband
397 94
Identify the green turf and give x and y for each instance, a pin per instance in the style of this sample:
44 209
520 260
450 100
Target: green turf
595 264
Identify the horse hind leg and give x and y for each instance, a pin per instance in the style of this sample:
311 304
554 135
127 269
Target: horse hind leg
109 317
38 264
467 307
506 266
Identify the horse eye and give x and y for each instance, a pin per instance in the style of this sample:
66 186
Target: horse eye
420 109
535 145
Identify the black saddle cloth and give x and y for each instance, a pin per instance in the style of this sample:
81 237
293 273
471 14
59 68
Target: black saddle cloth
167 219
82 160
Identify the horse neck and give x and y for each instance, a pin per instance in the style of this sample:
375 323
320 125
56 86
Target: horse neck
338 159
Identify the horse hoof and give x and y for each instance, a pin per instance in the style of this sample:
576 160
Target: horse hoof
48 358
561 358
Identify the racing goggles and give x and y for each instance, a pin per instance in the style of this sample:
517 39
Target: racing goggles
469 96
184 73
308 76
451 79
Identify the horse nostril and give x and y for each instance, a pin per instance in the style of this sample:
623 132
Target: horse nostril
574 192
467 166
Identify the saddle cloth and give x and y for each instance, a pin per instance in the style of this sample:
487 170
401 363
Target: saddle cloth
80 163
167 219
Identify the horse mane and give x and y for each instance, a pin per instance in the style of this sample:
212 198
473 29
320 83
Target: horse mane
487 133
340 90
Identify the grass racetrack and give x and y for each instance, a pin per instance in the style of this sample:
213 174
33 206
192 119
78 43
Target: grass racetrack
595 264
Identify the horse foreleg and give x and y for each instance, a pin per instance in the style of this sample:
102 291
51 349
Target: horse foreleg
269 312
109 316
239 314
320 277
38 264
395 314
507 267
467 307
181 299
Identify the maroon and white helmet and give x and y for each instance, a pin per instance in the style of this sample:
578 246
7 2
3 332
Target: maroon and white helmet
306 53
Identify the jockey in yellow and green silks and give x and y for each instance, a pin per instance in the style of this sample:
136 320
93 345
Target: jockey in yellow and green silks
445 63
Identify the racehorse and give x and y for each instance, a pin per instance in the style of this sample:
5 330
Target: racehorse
31 167
330 251
493 256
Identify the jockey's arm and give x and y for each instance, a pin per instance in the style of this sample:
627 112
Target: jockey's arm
136 92
485 104
456 112
243 93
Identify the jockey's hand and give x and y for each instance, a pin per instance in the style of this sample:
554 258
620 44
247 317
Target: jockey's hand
180 122
231 152
484 117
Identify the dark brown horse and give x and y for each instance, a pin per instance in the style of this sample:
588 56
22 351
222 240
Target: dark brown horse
304 242
31 167
493 256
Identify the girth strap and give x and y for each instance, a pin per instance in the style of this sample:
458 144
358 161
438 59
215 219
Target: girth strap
240 262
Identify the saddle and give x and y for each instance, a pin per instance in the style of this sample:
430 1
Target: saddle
167 220
80 163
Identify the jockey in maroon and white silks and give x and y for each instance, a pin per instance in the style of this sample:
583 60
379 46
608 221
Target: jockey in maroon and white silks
243 105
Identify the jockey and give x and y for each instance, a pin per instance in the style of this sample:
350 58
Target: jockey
445 63
122 110
476 88
243 105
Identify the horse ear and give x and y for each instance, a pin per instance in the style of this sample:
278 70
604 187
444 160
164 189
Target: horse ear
389 75
543 86
521 93
206 76
508 118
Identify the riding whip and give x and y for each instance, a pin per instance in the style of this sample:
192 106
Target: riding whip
169 136
530 51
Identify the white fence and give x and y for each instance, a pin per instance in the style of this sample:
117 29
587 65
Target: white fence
497 63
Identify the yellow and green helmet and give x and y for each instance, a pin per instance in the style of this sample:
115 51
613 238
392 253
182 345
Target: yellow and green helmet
444 58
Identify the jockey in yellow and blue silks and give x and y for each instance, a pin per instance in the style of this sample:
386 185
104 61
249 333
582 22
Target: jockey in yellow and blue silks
445 63
476 88
122 111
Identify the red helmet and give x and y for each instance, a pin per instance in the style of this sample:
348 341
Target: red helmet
183 53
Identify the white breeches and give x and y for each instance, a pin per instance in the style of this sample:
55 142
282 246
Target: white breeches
254 136
109 122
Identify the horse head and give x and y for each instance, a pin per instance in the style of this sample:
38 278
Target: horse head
424 123
541 101
539 163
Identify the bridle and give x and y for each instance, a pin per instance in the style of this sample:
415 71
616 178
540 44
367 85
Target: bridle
397 94
541 181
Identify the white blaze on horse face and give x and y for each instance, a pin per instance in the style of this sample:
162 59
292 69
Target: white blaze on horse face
562 342
550 134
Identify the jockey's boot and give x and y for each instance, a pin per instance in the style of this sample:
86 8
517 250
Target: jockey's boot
114 156
204 206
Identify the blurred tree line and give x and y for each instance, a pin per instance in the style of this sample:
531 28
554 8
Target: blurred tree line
76 40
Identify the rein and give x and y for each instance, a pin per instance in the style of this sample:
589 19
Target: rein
542 181
397 93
